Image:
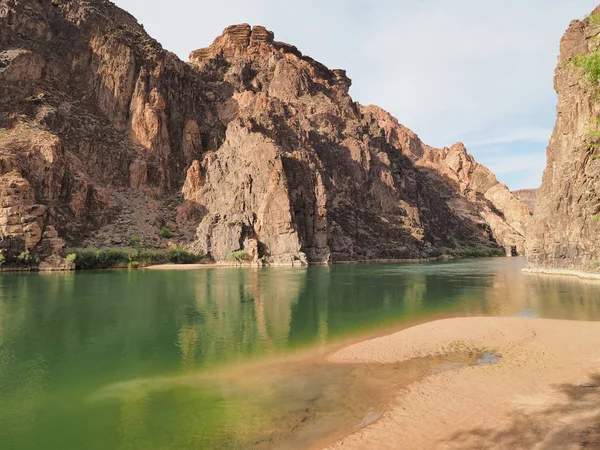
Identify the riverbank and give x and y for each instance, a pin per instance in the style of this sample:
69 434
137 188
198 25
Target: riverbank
567 273
532 398
186 266
252 264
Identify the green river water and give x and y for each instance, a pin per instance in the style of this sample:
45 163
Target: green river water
232 358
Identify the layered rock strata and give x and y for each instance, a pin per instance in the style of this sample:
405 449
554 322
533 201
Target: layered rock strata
105 136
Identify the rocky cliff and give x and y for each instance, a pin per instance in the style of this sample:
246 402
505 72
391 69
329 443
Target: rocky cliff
563 233
527 196
251 146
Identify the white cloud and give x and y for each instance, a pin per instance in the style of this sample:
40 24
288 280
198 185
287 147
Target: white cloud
518 171
518 135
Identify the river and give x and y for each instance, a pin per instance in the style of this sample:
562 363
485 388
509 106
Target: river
232 357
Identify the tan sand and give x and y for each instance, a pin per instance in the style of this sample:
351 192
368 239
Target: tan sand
530 399
570 273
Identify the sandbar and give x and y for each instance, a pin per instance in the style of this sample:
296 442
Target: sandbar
540 394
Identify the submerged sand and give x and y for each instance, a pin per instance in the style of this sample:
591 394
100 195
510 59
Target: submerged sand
569 273
531 398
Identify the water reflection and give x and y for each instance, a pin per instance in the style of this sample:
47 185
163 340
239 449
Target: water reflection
146 346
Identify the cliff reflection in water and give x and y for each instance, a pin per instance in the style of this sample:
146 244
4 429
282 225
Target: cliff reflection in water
237 312
248 312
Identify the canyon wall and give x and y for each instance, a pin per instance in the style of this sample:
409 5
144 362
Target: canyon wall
527 196
563 233
251 146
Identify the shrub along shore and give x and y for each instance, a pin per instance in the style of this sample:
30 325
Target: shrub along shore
137 257
87 259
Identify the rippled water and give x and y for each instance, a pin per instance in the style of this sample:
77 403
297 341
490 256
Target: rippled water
232 358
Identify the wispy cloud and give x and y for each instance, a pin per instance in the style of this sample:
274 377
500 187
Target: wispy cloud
519 135
518 167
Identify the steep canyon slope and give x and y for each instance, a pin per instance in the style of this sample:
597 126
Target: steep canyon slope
250 146
565 229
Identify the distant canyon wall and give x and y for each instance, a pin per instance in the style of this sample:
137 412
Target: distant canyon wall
527 196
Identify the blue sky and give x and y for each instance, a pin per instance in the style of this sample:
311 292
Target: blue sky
474 71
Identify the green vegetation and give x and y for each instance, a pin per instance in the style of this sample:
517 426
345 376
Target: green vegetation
593 266
594 134
589 64
136 242
71 257
596 218
593 137
27 259
593 18
165 233
100 259
86 259
239 256
24 259
178 255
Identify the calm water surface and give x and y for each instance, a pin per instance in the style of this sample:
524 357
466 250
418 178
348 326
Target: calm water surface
232 358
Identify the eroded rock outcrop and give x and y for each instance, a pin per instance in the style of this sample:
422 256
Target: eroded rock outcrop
563 233
258 148
527 196
349 181
97 124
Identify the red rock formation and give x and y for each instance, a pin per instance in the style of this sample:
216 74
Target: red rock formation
563 233
475 194
359 185
93 114
104 135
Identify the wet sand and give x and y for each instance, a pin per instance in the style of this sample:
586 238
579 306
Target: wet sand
531 398
569 273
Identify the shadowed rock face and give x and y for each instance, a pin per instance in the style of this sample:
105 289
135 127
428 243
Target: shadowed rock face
563 233
472 190
104 135
97 124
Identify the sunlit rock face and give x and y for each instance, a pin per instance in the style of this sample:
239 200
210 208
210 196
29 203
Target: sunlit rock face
309 171
527 196
251 146
563 233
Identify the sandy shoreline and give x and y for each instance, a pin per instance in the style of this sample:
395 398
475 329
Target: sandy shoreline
531 398
568 273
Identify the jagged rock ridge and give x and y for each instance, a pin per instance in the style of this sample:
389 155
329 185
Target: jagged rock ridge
563 233
104 135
